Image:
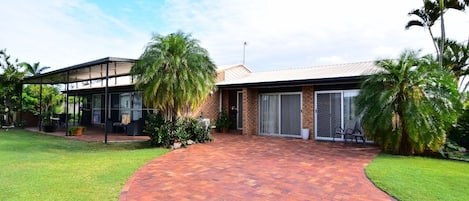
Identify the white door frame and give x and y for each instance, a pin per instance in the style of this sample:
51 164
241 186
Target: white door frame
341 111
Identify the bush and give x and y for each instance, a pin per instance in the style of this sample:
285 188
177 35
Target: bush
19 124
165 133
460 132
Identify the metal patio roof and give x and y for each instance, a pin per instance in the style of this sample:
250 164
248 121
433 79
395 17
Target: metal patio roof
85 71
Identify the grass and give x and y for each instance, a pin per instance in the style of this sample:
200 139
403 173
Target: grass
418 178
40 167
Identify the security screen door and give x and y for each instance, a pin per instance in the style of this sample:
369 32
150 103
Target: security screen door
328 114
334 109
280 114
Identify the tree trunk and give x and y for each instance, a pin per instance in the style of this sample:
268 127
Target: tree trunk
405 145
443 34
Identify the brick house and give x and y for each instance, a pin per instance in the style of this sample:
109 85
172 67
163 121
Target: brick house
283 102
273 103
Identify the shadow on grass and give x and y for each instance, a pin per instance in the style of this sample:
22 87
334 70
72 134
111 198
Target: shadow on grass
27 141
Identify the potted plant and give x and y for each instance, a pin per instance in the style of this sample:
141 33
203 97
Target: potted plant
76 130
47 122
223 122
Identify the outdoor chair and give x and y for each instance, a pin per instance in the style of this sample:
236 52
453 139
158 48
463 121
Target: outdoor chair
125 120
347 133
350 133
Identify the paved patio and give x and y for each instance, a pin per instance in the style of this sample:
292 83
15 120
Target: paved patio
238 167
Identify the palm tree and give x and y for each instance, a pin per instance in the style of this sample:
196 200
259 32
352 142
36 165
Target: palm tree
409 104
456 58
34 69
429 14
175 74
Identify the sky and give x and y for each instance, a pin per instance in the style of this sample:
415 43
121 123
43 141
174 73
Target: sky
279 34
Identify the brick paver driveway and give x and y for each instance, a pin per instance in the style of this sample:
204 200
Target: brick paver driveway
237 167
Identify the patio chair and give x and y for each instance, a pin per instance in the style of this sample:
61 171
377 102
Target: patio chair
347 133
350 133
125 120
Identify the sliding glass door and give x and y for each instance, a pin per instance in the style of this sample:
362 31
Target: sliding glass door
280 114
334 109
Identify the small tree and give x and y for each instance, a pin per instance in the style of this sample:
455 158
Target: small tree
175 74
10 82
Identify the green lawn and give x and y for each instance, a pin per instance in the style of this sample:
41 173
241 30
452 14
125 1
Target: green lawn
40 167
418 178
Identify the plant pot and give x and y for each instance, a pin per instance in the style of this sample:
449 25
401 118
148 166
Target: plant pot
48 128
224 129
78 132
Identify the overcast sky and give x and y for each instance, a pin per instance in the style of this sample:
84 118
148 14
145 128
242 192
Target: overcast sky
279 34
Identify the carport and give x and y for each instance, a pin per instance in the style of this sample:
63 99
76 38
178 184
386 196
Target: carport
102 75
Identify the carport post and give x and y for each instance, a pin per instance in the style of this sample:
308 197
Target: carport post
106 115
40 106
66 103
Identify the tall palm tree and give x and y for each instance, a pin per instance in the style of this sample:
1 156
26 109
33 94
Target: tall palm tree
429 14
34 69
175 74
409 104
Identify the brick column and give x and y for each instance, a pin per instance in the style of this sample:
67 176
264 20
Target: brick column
250 111
308 109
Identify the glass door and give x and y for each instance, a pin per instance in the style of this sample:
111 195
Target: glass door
280 114
334 109
290 114
239 114
328 114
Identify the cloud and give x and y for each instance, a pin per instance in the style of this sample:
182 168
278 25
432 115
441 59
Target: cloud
279 33
64 33
295 32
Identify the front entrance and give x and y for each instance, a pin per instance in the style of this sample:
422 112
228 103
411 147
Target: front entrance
280 114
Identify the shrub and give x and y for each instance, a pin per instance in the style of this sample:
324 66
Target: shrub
165 133
460 132
19 123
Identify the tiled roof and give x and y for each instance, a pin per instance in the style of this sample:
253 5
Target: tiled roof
310 73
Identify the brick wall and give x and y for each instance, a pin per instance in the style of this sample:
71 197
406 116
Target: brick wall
220 76
250 111
209 108
308 109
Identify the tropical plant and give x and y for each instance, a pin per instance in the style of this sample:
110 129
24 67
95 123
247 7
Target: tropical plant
50 97
456 58
429 14
459 133
76 130
409 105
165 133
223 122
10 82
175 74
34 69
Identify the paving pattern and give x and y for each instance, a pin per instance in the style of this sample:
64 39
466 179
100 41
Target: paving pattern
239 167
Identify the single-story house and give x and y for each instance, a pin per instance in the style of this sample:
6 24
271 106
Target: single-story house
274 103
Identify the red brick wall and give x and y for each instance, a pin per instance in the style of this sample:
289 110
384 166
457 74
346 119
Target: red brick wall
308 109
250 111
209 108
220 76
